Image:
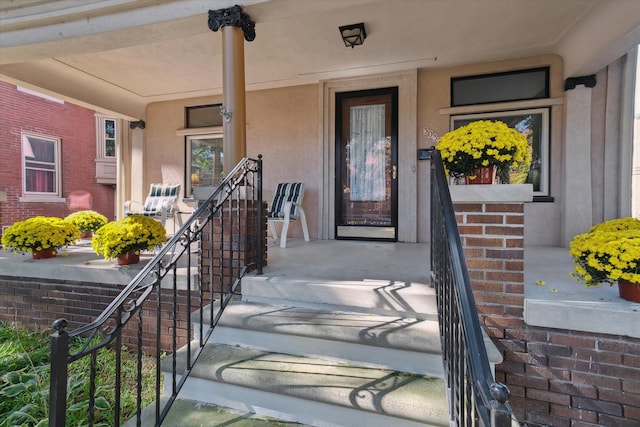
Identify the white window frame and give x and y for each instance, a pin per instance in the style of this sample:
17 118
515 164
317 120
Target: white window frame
55 195
189 184
101 137
545 160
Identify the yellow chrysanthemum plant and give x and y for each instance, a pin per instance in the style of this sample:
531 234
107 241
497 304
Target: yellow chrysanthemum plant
87 221
131 234
609 252
39 233
483 143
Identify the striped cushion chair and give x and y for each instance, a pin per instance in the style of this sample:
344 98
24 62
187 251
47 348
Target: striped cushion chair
161 203
286 206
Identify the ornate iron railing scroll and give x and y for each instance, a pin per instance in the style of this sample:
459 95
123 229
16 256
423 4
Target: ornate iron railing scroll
153 314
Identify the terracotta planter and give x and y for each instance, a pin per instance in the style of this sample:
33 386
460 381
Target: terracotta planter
629 291
87 235
482 175
128 258
45 253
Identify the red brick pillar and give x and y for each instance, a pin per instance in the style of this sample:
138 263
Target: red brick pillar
233 244
491 223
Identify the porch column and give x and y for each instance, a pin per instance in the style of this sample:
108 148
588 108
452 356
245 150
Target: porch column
234 23
577 216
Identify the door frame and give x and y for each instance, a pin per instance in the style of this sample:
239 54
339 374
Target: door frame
392 93
407 83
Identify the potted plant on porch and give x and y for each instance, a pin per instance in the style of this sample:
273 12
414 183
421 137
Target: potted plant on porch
87 221
126 238
480 150
610 253
40 235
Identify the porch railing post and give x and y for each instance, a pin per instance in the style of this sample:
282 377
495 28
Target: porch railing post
260 237
58 383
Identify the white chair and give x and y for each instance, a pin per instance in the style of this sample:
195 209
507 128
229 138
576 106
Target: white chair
161 203
286 206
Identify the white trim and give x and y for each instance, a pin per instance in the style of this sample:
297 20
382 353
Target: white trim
39 95
42 199
502 106
407 83
57 163
200 131
545 139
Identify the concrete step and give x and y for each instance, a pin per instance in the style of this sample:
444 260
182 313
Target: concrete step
313 391
390 342
191 413
385 297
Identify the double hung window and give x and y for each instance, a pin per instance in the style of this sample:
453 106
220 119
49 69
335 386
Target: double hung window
41 165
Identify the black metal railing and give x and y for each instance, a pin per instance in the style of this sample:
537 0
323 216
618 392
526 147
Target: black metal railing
475 399
220 241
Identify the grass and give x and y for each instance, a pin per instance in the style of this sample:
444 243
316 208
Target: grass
24 381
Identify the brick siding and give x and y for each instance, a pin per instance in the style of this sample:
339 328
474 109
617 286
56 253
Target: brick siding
75 126
557 377
36 303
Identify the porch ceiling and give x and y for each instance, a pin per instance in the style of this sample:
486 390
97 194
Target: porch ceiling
119 55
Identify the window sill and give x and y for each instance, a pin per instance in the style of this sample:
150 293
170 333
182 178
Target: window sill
42 199
562 303
491 193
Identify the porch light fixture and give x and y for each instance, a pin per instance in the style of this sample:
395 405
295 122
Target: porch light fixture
353 35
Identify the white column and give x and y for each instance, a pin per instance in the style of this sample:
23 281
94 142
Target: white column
577 212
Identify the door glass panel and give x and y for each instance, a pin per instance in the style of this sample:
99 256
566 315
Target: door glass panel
367 161
366 149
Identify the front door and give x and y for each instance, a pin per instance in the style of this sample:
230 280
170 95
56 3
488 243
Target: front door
367 165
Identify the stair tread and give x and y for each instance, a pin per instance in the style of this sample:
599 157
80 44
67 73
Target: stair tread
368 329
369 295
382 391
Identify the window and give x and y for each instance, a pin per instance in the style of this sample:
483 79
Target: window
204 161
533 123
41 165
203 147
106 131
204 116
500 87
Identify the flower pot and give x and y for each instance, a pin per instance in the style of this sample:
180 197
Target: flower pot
629 291
129 258
44 253
482 175
86 235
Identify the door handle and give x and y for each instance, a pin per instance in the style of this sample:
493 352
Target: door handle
394 173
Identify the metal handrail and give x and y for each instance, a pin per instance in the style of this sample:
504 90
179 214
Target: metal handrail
228 215
474 397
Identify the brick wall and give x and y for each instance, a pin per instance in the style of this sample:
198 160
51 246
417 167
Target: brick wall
557 377
233 245
38 303
75 126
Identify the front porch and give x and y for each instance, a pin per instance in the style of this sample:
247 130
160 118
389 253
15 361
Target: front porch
356 262
377 278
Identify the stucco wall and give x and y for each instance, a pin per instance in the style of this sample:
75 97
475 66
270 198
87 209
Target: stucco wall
542 218
282 125
285 126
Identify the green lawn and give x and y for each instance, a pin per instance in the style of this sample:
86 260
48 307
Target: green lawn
24 381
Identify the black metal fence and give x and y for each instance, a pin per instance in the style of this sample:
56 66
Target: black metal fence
475 399
221 240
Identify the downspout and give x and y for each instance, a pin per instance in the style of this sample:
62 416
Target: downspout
234 23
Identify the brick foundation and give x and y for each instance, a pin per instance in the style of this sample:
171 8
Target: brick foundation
38 303
557 377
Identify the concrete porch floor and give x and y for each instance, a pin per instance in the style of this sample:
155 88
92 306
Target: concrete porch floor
324 259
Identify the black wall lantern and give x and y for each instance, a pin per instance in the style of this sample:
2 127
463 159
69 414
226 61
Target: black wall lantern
353 35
